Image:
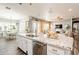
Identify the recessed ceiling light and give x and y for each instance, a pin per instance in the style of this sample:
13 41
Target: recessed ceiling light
20 3
30 4
69 9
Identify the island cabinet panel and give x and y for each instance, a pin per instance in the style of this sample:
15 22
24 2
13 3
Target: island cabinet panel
30 47
19 42
22 43
52 50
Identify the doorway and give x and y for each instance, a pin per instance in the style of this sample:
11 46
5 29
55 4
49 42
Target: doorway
75 30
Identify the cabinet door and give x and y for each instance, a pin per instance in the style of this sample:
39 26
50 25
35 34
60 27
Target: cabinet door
19 41
51 53
30 47
68 52
54 50
24 44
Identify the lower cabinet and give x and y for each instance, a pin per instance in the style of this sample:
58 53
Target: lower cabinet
30 47
24 44
52 50
21 43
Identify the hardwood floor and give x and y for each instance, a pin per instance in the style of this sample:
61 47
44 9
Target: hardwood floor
9 47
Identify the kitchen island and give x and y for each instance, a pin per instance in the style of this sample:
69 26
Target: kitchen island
63 45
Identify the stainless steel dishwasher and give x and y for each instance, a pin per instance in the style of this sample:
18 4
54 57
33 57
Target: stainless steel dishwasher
39 48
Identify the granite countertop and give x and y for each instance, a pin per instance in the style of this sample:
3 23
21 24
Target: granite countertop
62 41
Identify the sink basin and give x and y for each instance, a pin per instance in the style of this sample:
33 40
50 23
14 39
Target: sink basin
31 35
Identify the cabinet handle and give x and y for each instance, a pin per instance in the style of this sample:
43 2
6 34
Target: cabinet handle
54 50
39 44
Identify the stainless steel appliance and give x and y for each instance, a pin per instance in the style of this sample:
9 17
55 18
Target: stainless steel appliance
39 48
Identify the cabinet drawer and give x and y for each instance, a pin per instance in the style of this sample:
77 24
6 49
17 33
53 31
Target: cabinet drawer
52 49
51 53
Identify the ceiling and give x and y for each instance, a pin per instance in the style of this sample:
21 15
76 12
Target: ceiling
49 11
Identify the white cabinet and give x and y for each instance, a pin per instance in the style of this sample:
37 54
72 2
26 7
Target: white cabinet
24 44
30 47
18 40
52 50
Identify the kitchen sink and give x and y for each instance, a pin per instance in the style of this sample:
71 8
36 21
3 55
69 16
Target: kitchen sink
32 35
